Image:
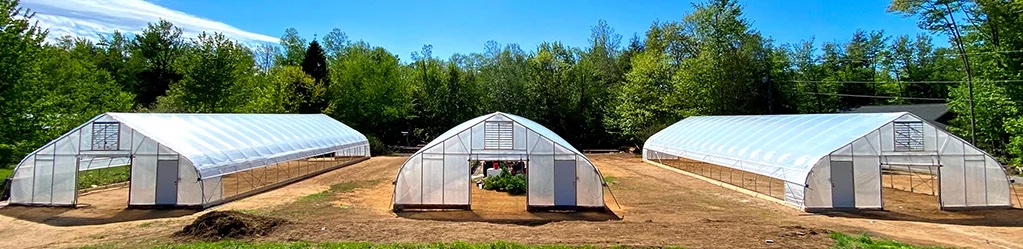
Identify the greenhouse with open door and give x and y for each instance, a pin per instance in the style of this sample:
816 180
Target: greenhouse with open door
559 176
835 161
187 160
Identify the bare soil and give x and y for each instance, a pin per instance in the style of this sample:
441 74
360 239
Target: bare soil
657 207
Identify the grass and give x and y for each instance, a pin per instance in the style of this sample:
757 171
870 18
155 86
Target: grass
4 173
610 179
337 188
346 245
105 176
864 241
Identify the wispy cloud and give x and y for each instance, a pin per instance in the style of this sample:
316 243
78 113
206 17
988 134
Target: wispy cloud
95 18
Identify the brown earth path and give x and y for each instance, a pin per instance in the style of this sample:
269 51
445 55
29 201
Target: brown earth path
658 207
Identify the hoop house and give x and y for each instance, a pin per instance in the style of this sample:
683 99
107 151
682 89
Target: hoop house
834 161
559 176
196 160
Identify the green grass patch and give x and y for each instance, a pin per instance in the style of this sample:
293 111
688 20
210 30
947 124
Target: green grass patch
4 173
316 196
610 179
864 241
338 188
105 176
348 245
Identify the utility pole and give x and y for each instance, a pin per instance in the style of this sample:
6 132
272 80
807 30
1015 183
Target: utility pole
954 29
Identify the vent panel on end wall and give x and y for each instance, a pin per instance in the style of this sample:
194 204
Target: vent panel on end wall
498 135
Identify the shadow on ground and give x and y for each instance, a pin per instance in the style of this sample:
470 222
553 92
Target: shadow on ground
524 218
993 218
86 215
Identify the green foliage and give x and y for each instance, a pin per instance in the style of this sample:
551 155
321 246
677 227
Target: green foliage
993 107
4 173
274 91
105 176
294 49
312 95
20 68
506 182
157 52
368 90
864 241
377 147
1014 128
216 74
73 89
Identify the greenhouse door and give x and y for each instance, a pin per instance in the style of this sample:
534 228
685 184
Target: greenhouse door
564 183
843 191
166 182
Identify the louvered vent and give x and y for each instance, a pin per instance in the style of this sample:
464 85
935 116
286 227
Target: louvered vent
498 135
106 136
909 136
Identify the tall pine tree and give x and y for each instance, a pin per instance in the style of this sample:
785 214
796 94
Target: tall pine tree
315 65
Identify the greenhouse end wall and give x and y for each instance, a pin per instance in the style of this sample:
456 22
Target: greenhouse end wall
438 176
850 176
161 176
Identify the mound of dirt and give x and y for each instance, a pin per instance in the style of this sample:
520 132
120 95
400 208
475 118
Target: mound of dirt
800 231
218 225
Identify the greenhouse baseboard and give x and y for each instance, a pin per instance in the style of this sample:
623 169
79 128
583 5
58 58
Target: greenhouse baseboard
721 184
283 183
977 208
844 210
167 207
566 208
427 207
41 205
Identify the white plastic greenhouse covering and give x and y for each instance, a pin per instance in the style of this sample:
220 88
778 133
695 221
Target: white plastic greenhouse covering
834 161
176 159
559 176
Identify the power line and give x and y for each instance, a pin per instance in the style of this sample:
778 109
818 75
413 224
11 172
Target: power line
987 52
897 82
874 96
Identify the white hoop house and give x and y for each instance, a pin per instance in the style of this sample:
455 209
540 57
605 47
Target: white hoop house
187 159
834 161
559 176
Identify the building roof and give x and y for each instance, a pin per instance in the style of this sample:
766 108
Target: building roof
780 146
930 112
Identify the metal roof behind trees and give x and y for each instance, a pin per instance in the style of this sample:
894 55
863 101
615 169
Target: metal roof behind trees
937 114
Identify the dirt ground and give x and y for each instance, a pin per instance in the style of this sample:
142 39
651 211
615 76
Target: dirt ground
658 207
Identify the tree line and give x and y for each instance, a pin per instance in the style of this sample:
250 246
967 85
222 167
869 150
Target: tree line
605 94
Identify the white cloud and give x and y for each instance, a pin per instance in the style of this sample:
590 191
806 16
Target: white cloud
95 18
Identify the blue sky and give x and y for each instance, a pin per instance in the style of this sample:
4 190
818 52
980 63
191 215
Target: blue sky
461 26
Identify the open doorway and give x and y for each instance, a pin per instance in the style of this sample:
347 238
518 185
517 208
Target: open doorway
499 186
910 188
102 183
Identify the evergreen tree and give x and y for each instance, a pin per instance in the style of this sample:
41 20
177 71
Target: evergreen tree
158 49
315 65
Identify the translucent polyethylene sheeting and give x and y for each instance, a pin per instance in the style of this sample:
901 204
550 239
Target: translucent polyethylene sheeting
219 144
439 172
780 146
